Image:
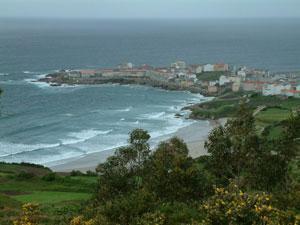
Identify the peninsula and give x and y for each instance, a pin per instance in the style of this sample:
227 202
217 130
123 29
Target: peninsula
206 79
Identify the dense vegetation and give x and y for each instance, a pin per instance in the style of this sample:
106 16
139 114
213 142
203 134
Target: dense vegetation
270 111
60 196
227 187
247 178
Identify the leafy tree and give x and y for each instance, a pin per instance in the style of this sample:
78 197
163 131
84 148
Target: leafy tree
237 152
234 147
123 171
174 175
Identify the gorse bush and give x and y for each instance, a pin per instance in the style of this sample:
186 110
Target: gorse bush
233 206
29 216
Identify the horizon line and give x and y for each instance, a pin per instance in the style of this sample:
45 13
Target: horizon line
144 18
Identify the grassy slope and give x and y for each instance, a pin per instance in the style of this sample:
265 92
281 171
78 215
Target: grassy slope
277 110
59 198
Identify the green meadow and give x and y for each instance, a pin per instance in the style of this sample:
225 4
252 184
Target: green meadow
59 195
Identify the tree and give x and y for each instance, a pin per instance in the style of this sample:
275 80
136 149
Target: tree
122 172
234 147
237 152
174 175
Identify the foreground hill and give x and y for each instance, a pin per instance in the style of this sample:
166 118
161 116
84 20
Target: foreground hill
60 196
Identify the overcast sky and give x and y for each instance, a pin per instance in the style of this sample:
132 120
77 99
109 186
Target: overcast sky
150 8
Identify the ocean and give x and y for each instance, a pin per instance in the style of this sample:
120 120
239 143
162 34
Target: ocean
43 124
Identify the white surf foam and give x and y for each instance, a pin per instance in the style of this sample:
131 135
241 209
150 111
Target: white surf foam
82 136
29 72
125 109
4 74
155 115
68 114
8 148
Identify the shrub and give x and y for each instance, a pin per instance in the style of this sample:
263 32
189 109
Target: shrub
23 175
49 177
232 206
75 173
29 216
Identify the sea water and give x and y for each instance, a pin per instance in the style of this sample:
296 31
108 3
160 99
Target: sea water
43 124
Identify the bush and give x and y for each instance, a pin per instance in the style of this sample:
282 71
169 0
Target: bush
23 175
30 215
49 177
91 173
76 173
233 206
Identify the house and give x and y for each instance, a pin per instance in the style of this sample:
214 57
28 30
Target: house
192 76
213 83
199 69
291 93
208 68
87 73
275 89
125 66
223 80
178 65
236 87
221 67
73 74
235 79
212 89
241 73
253 85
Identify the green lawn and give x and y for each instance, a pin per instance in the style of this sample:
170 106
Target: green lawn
50 197
273 115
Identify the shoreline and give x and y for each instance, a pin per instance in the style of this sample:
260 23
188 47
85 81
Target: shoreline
193 135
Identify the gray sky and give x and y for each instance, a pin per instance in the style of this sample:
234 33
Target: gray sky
149 8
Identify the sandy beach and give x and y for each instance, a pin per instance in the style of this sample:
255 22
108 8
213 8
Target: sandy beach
194 136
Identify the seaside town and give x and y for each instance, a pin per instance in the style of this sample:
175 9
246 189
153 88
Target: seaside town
209 79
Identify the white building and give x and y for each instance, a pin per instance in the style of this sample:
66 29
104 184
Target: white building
275 89
199 69
179 65
223 80
128 65
213 83
192 76
208 68
235 79
242 73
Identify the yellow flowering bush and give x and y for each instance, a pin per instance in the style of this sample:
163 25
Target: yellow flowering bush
79 220
29 215
152 219
235 207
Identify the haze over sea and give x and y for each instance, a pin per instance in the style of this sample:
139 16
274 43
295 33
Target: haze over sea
42 124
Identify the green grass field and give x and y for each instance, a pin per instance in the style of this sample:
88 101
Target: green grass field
59 198
276 110
51 197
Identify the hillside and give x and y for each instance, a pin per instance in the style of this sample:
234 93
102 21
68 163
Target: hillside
60 196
